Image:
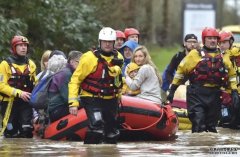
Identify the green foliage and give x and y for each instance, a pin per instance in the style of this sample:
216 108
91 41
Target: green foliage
9 27
74 24
161 56
49 24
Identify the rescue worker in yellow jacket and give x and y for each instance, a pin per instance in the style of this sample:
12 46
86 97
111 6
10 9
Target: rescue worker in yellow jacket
231 114
208 70
98 80
17 79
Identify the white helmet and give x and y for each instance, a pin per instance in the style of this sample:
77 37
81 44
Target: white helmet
107 34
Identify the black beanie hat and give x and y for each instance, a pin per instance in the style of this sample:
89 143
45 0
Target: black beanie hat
190 36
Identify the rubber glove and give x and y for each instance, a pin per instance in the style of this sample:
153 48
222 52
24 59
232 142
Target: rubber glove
171 92
114 71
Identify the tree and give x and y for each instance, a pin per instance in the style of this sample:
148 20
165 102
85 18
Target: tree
49 24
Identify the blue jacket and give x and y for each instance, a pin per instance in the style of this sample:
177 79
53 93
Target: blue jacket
170 70
132 45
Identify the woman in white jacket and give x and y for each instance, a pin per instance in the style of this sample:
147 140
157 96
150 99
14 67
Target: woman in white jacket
148 79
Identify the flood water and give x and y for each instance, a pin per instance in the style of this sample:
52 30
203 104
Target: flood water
224 143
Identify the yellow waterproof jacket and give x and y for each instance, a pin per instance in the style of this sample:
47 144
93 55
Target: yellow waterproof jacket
87 65
5 74
188 64
127 91
234 54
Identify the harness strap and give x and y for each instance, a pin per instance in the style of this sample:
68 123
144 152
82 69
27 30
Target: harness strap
7 115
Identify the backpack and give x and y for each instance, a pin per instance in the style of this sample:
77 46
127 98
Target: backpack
39 97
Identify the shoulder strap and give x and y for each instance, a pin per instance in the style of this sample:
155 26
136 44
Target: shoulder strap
97 53
115 53
43 73
9 60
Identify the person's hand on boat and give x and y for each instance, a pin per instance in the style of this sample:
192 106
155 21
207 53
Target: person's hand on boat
73 110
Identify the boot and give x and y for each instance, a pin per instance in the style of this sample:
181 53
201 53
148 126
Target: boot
198 129
26 132
211 129
94 137
10 131
112 137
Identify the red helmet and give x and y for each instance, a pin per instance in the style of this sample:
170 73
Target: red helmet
209 32
131 31
16 40
226 35
120 34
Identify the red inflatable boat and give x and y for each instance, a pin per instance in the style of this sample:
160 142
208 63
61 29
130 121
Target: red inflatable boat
179 103
141 120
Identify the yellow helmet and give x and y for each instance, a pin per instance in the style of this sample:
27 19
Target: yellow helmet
131 67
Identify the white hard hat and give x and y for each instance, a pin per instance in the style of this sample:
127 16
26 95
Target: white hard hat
107 34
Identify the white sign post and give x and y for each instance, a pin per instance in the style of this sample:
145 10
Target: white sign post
197 16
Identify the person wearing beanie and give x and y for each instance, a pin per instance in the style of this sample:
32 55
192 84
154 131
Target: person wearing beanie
190 42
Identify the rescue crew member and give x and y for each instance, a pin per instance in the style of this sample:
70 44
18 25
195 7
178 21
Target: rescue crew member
119 40
190 43
132 34
208 70
17 79
98 76
231 116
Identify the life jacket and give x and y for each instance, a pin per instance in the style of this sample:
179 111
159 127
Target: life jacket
236 64
210 70
18 79
235 60
100 83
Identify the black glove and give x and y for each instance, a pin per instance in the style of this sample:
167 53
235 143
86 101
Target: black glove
118 62
171 92
235 100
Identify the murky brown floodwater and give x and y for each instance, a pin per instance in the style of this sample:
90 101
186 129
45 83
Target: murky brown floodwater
186 144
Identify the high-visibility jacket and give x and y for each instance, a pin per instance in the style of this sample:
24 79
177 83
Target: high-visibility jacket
16 77
88 65
234 54
210 70
100 82
189 63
